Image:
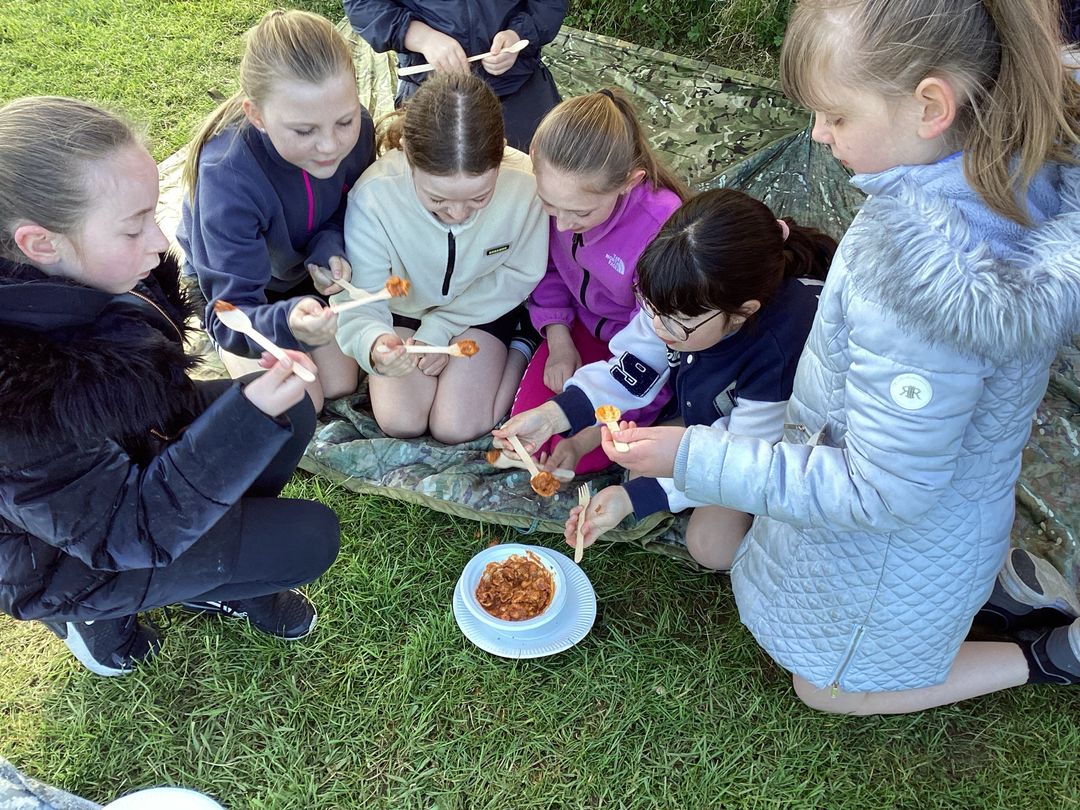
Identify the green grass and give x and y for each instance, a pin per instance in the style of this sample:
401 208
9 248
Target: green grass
667 703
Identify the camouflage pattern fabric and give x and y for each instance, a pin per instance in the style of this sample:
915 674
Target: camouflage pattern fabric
717 128
20 792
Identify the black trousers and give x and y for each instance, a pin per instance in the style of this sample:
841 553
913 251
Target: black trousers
522 110
281 542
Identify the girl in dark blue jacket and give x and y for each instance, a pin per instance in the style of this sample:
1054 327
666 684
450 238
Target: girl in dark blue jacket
444 32
267 178
124 484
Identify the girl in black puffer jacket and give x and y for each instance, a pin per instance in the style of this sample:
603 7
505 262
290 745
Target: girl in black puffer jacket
124 484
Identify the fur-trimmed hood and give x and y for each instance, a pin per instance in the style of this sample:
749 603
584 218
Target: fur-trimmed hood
82 362
927 248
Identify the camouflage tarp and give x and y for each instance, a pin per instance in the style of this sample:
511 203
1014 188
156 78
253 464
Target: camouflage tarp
717 128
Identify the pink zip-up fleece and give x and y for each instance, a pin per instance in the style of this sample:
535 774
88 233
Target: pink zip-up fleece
590 282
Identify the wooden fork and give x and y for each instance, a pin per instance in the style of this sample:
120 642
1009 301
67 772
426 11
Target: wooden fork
583 497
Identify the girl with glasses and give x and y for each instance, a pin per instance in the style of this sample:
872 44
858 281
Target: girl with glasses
727 294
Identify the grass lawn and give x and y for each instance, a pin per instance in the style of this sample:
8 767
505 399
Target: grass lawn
667 703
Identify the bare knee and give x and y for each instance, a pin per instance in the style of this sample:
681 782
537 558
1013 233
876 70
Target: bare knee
340 386
709 548
458 433
400 426
315 391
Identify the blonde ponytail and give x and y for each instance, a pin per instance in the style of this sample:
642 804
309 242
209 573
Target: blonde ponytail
283 46
1019 105
599 135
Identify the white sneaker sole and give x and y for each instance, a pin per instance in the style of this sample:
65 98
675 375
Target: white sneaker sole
78 648
1051 589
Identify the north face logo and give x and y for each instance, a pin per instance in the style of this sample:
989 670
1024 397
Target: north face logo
616 263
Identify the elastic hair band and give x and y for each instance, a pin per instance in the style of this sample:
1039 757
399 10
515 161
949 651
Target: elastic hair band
605 92
784 229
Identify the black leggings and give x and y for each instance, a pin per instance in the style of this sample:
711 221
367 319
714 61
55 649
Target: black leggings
263 545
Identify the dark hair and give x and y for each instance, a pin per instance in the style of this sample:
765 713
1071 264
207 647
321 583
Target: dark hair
723 248
453 125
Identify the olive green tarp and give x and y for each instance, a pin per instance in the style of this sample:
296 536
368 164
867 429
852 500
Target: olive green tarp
716 128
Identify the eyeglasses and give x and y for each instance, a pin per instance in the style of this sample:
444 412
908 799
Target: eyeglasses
677 330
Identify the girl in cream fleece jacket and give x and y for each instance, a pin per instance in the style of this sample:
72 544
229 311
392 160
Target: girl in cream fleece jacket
453 211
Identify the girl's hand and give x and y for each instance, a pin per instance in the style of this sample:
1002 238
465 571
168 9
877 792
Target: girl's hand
565 456
440 50
325 278
388 356
562 362
606 510
278 389
431 365
652 450
312 323
533 427
499 62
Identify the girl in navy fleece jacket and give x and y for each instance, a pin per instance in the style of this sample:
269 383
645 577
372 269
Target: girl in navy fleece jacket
268 176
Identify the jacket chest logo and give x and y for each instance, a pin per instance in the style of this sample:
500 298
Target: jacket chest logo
617 264
912 392
497 249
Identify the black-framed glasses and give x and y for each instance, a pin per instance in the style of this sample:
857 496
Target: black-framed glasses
679 331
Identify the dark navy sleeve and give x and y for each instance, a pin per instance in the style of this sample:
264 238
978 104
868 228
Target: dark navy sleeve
228 250
578 408
539 22
120 516
646 496
769 372
382 24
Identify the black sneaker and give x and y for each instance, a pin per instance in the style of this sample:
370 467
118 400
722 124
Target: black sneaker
1054 657
109 647
1029 592
288 614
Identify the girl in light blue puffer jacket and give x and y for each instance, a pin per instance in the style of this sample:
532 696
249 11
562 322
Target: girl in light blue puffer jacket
884 514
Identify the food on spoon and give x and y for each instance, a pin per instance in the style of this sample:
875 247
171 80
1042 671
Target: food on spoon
467 348
545 484
396 286
608 414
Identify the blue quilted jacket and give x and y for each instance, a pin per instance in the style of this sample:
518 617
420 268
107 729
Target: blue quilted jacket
885 512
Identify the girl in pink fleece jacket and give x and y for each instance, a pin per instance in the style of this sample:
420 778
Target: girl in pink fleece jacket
607 195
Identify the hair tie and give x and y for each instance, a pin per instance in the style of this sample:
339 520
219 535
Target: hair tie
785 230
605 92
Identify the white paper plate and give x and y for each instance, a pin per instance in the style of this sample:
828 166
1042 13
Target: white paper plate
561 633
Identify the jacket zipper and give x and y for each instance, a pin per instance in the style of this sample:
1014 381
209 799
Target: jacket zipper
451 255
170 321
848 655
599 327
310 201
575 243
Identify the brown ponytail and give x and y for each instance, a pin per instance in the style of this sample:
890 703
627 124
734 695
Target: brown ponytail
453 125
807 252
598 135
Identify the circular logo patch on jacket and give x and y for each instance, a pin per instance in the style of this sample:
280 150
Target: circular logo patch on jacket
911 391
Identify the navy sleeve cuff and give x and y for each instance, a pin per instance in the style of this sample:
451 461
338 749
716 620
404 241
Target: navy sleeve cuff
578 408
646 496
